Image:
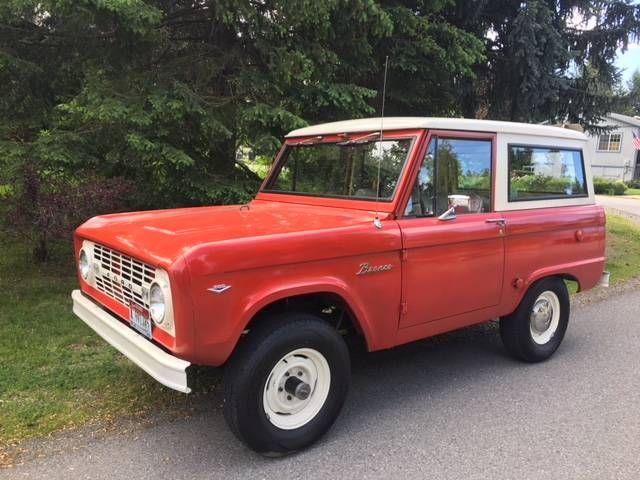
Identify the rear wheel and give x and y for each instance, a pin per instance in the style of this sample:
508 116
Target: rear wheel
535 330
286 383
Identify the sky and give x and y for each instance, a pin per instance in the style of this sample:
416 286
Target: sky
629 61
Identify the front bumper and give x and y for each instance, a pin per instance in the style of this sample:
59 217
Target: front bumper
165 368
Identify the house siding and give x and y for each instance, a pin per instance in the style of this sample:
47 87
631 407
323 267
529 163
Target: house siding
615 165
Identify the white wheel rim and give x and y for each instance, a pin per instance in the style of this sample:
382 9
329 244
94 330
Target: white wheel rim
282 407
544 317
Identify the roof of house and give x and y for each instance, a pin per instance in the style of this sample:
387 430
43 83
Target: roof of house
403 123
635 121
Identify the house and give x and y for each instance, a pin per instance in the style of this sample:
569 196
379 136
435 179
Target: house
613 153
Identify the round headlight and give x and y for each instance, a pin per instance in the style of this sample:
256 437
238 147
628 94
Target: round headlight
83 264
157 304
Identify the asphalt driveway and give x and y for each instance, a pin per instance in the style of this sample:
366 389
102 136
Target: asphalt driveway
451 407
628 206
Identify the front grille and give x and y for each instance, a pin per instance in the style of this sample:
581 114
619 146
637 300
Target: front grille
121 277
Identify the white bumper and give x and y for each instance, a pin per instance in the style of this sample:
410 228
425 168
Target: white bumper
165 368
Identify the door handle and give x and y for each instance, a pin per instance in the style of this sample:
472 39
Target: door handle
498 221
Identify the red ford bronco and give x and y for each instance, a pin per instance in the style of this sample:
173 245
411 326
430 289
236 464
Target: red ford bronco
396 234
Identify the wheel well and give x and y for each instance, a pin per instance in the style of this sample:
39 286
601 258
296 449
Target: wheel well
328 306
570 278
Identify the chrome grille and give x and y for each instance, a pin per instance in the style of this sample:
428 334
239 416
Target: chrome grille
121 277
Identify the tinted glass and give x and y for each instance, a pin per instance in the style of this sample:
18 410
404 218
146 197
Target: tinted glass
537 173
422 200
464 176
462 172
342 170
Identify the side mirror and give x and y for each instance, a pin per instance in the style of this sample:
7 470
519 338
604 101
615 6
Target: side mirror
449 214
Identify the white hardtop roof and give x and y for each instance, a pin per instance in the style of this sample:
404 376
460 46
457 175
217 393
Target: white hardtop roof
464 124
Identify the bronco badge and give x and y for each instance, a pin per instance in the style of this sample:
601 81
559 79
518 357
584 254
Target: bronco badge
366 268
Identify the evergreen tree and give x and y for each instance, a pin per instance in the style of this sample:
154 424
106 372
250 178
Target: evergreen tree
163 92
547 60
630 100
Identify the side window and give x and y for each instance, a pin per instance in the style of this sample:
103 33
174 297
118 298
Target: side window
463 169
538 173
422 200
455 172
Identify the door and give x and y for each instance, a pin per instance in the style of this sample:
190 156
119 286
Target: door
452 267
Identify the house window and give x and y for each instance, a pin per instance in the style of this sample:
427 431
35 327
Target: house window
609 142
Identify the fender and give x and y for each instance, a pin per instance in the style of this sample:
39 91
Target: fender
581 271
326 284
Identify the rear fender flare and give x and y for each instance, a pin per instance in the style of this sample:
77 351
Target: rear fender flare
584 272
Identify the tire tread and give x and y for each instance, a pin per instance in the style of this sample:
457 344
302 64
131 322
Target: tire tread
266 335
514 328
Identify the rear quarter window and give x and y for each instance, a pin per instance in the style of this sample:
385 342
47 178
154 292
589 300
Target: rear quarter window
539 173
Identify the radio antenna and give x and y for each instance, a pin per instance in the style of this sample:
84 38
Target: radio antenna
376 220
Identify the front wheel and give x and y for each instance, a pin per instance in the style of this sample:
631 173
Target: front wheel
286 383
535 330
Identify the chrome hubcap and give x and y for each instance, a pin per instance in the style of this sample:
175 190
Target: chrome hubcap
541 315
544 317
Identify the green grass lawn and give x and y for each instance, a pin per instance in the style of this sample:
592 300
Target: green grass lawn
55 373
632 191
623 248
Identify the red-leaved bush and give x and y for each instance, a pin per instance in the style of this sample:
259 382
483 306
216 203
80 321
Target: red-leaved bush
45 206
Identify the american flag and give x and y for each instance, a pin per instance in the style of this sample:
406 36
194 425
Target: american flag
636 141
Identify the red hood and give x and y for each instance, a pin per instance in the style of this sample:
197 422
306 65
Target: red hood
161 236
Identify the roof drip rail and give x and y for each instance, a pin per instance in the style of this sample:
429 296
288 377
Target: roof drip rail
361 139
310 141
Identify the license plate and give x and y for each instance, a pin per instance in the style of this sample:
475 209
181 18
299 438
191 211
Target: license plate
140 319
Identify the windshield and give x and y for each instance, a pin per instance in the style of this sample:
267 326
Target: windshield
342 169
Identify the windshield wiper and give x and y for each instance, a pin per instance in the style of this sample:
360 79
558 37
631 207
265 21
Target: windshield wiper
360 140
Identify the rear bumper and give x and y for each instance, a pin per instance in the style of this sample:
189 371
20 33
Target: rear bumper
165 368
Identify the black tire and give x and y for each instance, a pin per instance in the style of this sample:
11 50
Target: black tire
251 365
516 329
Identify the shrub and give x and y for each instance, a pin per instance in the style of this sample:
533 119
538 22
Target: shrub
608 186
542 184
46 206
619 187
633 183
475 182
5 191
